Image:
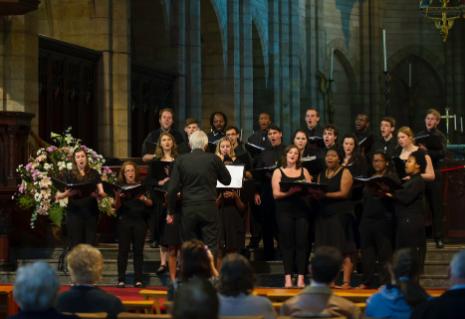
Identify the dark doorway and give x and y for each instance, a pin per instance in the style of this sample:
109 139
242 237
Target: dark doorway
68 87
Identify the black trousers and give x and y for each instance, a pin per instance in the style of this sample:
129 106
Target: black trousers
376 244
410 233
200 221
131 231
433 193
256 222
81 227
293 241
269 226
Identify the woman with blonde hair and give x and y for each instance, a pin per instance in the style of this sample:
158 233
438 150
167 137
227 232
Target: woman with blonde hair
232 207
169 234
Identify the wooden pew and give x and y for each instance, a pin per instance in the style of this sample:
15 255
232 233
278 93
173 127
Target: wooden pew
91 315
157 296
139 306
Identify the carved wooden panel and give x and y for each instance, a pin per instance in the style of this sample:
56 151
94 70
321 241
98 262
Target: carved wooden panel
454 201
68 86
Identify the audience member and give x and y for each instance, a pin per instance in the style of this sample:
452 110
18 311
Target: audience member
236 284
35 291
196 261
318 297
451 303
85 266
196 299
398 299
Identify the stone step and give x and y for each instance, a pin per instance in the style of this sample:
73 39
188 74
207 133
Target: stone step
109 251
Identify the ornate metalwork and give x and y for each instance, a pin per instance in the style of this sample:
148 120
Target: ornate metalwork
443 13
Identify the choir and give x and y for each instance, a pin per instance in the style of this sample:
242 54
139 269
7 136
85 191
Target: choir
363 194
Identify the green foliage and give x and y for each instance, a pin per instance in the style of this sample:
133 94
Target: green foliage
26 202
55 213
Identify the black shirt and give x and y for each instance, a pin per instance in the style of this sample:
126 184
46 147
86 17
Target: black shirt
83 298
387 147
195 175
409 199
132 208
436 154
260 138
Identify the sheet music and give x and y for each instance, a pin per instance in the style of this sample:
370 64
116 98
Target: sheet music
237 175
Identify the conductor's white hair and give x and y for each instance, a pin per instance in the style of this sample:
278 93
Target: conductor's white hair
457 265
198 140
36 287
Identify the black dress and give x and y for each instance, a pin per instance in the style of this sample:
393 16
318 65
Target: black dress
169 234
132 225
82 211
293 225
232 228
333 224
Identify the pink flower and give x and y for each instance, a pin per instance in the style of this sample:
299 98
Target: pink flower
28 166
51 148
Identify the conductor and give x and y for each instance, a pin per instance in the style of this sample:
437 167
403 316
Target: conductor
195 175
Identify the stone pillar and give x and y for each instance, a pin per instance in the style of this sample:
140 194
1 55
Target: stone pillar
179 31
275 69
194 60
295 39
19 69
246 111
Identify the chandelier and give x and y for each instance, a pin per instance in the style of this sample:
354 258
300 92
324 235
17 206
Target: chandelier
443 13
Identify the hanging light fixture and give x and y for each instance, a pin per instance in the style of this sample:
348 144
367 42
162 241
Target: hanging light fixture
443 13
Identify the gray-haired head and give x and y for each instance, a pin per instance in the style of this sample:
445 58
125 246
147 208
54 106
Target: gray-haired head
198 140
457 265
36 287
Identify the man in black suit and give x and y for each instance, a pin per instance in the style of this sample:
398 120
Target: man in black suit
260 136
195 175
386 142
451 303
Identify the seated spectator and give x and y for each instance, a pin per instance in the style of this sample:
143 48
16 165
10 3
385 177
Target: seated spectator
195 299
318 297
85 266
451 304
35 292
236 284
398 299
196 261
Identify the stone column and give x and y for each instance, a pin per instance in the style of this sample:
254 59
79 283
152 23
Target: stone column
275 69
194 60
245 117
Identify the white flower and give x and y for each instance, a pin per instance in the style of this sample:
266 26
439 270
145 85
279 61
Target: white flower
37 197
47 166
45 182
68 139
69 166
61 165
63 202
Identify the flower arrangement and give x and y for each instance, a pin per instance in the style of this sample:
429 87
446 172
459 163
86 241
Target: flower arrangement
36 190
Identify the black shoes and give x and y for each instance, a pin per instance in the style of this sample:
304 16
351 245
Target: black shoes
439 243
161 270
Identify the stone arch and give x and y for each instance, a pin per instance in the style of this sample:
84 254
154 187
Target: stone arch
410 102
344 86
216 90
220 9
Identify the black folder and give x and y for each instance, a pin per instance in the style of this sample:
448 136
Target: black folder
366 142
286 185
379 182
399 166
263 173
254 149
85 188
430 141
129 190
